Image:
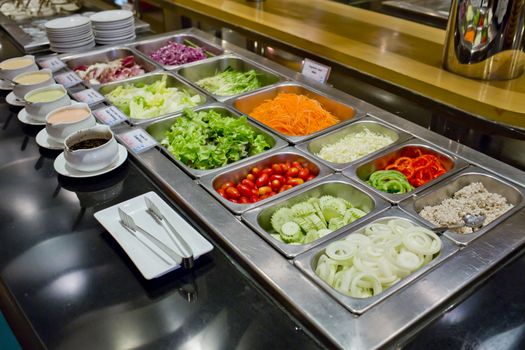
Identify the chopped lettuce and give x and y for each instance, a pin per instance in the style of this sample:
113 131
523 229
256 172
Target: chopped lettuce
145 101
230 82
209 140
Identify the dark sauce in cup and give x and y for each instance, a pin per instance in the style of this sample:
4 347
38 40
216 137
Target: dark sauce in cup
89 143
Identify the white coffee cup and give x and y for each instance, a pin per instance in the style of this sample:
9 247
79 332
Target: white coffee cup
39 110
94 158
60 128
20 90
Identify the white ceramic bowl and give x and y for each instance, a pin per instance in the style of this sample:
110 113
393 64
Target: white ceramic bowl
9 74
20 90
92 159
58 131
39 110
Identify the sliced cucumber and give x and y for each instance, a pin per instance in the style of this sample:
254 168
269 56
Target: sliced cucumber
291 232
280 217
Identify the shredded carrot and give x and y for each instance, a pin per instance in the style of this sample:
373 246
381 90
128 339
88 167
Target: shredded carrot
294 115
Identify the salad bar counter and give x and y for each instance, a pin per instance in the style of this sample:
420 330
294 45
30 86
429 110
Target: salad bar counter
352 217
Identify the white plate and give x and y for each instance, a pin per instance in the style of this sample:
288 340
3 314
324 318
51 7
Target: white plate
75 49
5 85
150 265
13 100
43 140
62 168
120 25
111 16
115 40
26 118
115 32
67 22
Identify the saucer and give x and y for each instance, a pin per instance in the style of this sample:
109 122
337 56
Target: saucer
62 168
43 140
13 100
4 85
26 118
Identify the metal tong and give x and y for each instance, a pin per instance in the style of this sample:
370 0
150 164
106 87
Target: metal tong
179 241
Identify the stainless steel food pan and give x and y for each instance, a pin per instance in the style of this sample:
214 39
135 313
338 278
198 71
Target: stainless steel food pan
446 189
106 55
361 171
239 171
336 185
172 81
147 47
206 69
345 113
307 263
314 146
158 131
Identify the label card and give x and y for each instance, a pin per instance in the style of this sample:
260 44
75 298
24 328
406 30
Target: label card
137 140
88 96
316 71
54 63
68 79
110 115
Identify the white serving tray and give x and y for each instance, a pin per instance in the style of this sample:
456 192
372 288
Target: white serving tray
150 265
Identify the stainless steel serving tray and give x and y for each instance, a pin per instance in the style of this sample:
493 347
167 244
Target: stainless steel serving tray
105 55
306 263
336 185
344 111
236 174
361 171
447 188
313 147
172 81
157 130
196 71
146 47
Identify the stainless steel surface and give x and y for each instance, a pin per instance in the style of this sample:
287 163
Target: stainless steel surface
127 221
236 173
307 263
420 301
361 171
344 111
171 81
188 260
484 39
335 185
104 56
146 47
446 189
204 69
158 131
313 147
432 8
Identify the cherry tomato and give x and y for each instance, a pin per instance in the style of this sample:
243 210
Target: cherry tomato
244 200
272 194
232 193
304 173
263 197
297 165
292 172
262 180
267 171
234 200
278 177
250 177
285 167
285 188
275 185
254 199
295 181
255 191
310 178
248 183
264 190
221 192
227 184
277 169
255 171
244 190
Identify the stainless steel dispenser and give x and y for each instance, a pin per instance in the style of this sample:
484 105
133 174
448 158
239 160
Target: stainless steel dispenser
485 39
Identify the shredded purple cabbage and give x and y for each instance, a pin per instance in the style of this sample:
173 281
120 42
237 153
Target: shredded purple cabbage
174 53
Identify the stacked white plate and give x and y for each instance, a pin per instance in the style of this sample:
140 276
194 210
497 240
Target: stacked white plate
69 34
113 26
